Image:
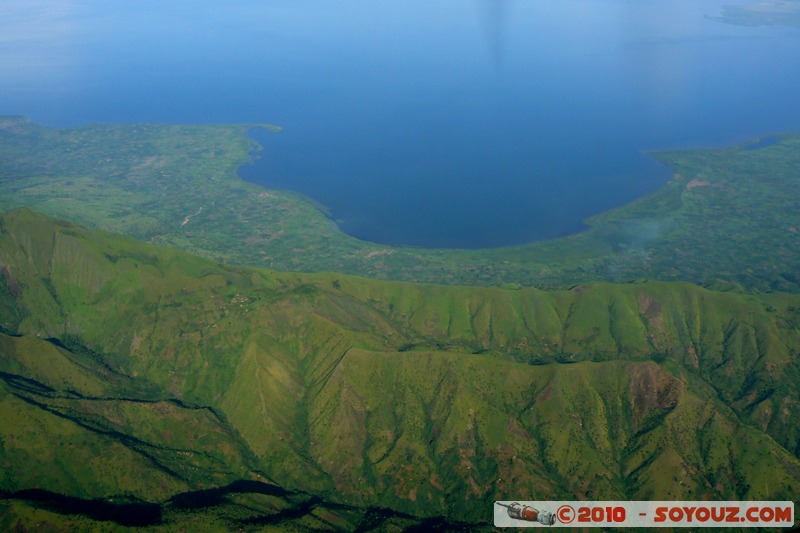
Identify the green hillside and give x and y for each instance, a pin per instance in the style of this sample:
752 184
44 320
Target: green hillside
728 217
145 376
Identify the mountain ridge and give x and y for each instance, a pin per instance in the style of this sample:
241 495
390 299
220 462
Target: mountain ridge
422 399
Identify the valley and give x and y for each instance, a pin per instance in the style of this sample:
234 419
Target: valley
146 374
380 266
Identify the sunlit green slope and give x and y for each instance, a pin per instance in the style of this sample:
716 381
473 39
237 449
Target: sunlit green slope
143 373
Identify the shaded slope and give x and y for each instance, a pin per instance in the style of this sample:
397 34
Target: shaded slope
70 460
88 423
423 399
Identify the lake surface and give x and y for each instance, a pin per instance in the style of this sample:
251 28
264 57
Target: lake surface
433 123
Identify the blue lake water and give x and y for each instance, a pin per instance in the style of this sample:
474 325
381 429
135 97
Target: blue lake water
434 123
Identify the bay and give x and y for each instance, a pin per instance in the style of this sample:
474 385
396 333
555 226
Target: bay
440 124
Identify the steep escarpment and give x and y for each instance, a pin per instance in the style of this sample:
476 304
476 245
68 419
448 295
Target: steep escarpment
147 373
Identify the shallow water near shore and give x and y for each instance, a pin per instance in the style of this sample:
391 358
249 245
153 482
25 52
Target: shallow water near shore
444 124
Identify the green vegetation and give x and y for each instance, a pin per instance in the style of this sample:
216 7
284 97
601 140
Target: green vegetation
142 380
146 374
728 218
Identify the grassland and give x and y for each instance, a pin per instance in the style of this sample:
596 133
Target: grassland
728 218
197 388
152 376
